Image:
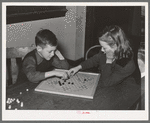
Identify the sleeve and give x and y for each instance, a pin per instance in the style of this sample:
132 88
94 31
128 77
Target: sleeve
29 68
61 64
111 76
92 62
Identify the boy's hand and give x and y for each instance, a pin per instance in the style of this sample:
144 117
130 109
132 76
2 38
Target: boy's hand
60 56
74 70
62 75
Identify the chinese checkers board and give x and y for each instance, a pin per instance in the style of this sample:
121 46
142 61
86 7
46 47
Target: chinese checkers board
82 84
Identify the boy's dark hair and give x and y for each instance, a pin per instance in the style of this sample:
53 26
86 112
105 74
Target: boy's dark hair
44 37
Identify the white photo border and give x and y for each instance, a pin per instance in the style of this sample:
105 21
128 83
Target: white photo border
95 115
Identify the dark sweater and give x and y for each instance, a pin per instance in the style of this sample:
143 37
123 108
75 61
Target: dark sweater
113 73
34 67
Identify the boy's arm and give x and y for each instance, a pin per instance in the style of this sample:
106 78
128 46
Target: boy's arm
59 61
29 68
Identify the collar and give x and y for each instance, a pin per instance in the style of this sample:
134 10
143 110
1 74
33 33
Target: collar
38 57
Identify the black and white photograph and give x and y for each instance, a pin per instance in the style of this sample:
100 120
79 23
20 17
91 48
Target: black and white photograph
75 61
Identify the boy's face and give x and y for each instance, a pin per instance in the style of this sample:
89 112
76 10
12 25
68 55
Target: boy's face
48 52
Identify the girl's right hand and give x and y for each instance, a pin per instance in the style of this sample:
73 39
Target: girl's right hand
110 57
110 54
74 70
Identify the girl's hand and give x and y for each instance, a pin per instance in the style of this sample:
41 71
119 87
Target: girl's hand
110 56
74 70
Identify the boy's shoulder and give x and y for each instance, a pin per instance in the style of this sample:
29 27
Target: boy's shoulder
31 54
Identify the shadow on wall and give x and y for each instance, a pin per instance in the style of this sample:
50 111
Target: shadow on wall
135 44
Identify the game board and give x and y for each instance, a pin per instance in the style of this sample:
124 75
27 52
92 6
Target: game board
82 84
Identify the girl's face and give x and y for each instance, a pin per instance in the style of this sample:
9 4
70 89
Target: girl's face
109 51
105 47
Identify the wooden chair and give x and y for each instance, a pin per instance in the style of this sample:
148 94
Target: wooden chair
14 58
140 103
91 52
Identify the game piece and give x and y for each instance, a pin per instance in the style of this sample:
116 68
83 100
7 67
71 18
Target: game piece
7 101
20 92
15 108
10 100
27 89
21 104
9 107
81 84
59 83
17 101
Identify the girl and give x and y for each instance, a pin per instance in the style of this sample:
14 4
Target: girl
115 60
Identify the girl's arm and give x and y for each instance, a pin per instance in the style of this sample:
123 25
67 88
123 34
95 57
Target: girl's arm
93 61
114 75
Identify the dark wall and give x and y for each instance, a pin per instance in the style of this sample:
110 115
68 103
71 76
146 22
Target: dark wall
98 17
17 14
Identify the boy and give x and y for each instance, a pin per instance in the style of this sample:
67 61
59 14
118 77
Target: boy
39 64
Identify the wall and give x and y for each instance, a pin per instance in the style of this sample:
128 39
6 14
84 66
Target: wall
70 31
80 31
136 22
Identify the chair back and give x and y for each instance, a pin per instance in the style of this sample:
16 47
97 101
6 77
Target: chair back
14 58
92 51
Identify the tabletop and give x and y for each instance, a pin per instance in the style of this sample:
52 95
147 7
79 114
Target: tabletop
117 97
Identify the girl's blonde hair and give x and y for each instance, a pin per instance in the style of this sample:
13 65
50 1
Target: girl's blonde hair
115 35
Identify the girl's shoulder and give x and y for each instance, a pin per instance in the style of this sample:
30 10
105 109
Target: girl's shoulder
101 53
123 62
